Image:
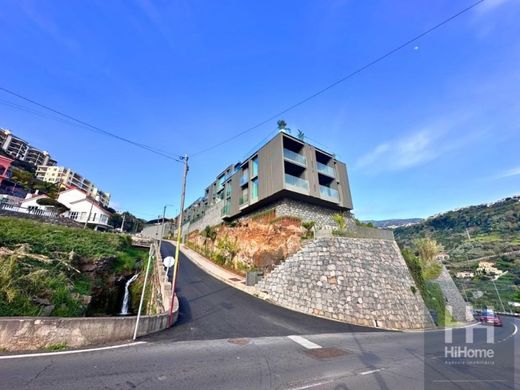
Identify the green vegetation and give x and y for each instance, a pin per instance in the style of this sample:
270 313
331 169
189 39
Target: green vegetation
340 221
27 180
472 233
224 255
422 271
55 240
308 226
132 223
40 269
31 287
57 347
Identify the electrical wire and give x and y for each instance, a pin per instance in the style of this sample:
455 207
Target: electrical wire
343 79
89 126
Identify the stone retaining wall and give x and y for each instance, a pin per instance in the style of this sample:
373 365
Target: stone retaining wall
455 303
359 281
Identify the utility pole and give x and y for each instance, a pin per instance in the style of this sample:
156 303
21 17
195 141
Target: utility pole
500 299
88 217
179 234
123 223
162 228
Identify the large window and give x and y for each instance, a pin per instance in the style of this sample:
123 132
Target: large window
254 189
254 167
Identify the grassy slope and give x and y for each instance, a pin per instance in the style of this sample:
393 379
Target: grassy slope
24 278
493 229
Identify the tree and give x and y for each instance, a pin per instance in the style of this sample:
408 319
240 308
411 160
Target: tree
132 223
301 135
281 124
60 208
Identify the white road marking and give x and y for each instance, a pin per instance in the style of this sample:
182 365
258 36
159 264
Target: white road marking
309 386
30 355
304 342
371 371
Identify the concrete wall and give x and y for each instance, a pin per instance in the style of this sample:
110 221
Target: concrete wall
359 281
20 334
455 303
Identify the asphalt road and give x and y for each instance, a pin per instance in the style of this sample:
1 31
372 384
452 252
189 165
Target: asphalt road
210 309
220 343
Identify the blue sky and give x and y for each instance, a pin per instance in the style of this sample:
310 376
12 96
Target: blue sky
433 127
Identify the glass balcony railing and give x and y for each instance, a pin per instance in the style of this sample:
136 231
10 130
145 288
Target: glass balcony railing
328 192
225 210
322 168
243 199
296 181
293 156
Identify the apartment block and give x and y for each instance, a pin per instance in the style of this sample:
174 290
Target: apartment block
19 149
67 178
286 175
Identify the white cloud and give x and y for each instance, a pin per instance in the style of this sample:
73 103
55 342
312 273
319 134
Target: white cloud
490 5
406 152
509 173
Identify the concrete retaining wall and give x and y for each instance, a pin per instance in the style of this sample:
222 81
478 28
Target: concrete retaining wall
359 281
31 333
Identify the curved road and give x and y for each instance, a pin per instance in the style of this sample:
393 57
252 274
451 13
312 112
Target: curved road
226 339
210 309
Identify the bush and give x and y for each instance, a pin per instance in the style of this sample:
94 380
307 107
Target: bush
340 221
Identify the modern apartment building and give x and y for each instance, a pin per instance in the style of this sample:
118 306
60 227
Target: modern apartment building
68 178
19 149
286 175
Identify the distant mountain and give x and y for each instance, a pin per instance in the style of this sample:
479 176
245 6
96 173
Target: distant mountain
471 232
486 232
394 223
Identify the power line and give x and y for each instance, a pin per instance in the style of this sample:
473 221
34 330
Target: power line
343 79
87 125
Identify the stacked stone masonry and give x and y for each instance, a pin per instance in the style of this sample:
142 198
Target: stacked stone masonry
359 281
454 300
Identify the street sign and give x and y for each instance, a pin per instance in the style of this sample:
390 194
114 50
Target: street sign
168 261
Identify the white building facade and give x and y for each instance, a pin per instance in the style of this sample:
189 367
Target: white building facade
19 149
68 178
82 208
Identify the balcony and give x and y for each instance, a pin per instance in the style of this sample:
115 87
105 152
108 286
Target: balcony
329 193
226 210
325 169
294 157
296 182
